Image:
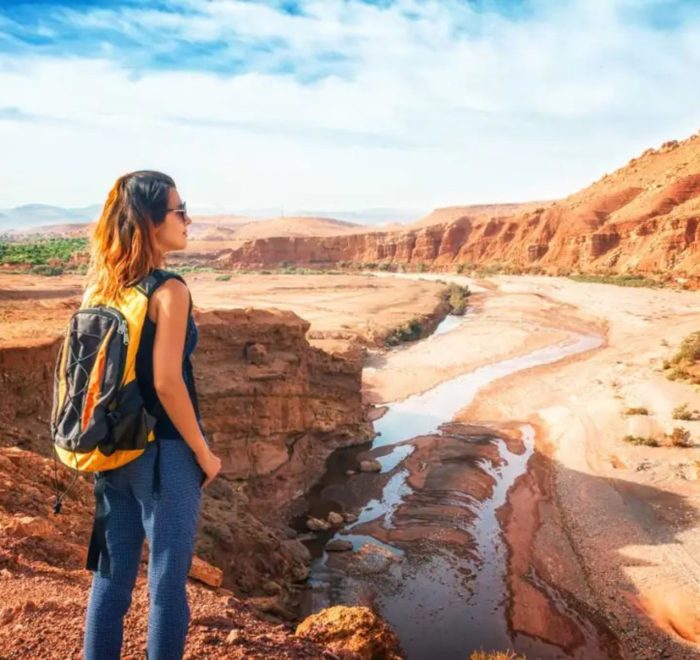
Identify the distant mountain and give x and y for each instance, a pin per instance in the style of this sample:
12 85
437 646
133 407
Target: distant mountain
30 216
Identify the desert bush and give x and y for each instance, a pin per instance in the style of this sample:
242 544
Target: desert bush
495 655
457 296
689 350
422 267
641 440
222 278
679 437
636 411
409 331
684 413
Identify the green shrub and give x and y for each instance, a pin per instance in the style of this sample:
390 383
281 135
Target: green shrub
222 278
409 331
618 280
457 296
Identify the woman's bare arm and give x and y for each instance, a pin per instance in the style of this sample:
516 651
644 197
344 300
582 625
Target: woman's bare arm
171 302
171 307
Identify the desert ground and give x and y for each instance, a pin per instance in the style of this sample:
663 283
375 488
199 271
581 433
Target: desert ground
629 513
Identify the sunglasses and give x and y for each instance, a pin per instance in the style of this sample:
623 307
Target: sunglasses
182 209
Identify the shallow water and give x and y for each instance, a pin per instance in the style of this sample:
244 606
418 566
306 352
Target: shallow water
442 600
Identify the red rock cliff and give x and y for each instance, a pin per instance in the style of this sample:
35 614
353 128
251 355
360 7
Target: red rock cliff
643 218
274 407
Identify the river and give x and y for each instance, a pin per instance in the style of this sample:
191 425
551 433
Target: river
431 557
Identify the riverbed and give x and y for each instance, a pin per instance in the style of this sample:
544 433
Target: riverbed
428 550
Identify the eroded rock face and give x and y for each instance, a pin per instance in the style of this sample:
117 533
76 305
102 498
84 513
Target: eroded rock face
352 629
274 408
274 421
643 218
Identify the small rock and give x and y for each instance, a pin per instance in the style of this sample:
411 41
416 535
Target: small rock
205 572
234 636
335 519
316 524
370 465
350 517
350 472
338 545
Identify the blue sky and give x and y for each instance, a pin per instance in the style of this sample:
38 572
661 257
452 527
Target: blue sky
339 104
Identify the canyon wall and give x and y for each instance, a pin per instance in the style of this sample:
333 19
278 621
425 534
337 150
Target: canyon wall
642 219
274 407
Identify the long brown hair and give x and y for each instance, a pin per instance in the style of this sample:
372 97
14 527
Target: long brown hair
123 245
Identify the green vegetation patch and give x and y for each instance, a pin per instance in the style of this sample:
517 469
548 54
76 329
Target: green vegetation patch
41 251
617 279
409 331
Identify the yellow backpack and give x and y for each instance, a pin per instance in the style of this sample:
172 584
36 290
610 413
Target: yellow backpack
98 418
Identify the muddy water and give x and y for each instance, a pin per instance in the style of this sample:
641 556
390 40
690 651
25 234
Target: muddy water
428 552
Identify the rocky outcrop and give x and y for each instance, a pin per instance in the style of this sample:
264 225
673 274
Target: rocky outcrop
643 218
273 406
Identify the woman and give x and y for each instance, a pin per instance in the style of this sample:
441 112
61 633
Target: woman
143 219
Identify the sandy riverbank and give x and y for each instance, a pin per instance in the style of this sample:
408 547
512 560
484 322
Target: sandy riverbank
626 515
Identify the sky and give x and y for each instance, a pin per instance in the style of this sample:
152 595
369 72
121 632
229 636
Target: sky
339 104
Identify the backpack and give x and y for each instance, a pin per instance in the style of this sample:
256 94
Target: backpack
98 418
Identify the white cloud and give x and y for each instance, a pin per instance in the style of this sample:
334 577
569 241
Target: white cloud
436 105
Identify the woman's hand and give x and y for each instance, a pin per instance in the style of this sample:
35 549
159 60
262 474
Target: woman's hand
210 464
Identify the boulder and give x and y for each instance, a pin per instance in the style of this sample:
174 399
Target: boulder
370 465
352 629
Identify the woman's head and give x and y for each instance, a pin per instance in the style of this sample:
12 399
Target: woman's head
142 219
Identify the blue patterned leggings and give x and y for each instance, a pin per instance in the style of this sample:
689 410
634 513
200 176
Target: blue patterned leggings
169 523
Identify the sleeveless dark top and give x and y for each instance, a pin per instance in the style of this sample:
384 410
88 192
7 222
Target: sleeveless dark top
144 375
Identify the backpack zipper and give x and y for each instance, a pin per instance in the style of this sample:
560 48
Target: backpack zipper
123 330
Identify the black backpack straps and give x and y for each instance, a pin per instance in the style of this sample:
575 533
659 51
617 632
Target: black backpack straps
155 278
